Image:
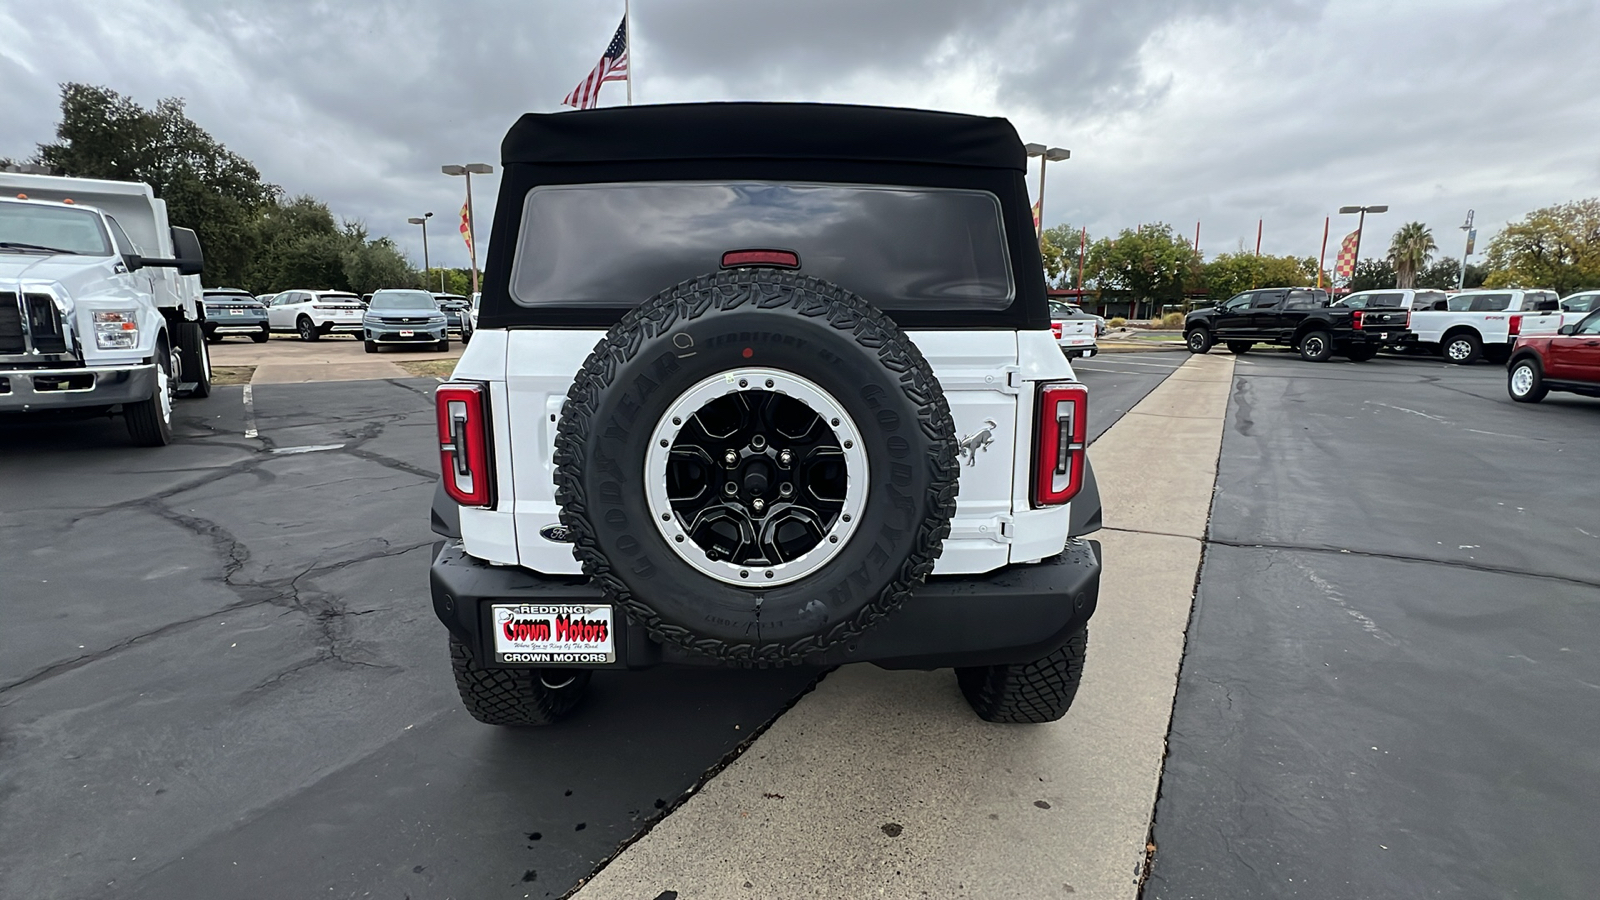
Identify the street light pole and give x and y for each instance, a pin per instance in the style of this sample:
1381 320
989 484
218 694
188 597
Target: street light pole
469 170
423 221
1045 154
1361 225
1461 277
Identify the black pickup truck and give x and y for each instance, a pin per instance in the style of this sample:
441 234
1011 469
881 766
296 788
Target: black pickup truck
1294 317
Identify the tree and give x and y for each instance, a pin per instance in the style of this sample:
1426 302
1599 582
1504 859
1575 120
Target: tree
1372 275
206 186
456 281
1443 275
1410 250
1151 263
374 265
1060 251
1557 247
298 245
1230 273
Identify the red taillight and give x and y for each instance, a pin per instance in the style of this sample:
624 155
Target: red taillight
1515 328
1061 434
783 259
464 443
1355 319
1055 329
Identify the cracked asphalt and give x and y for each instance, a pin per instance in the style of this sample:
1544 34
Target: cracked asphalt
220 674
1391 677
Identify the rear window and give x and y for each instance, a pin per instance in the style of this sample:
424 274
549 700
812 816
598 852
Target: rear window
614 245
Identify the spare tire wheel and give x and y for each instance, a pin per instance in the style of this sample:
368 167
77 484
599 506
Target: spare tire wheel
756 465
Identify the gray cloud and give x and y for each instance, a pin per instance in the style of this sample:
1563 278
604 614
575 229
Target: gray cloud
1224 111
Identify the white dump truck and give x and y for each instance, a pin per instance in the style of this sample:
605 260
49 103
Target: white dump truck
100 303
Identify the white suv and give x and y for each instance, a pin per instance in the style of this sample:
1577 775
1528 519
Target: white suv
312 314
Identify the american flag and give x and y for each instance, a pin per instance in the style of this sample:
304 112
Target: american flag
613 66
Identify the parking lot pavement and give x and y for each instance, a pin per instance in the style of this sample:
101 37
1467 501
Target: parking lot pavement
285 359
1118 382
220 674
1392 669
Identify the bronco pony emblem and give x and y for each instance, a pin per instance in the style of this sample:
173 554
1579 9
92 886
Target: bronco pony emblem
979 440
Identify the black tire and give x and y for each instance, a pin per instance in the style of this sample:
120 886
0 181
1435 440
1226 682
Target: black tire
515 696
466 337
1239 348
790 323
307 329
1316 346
1361 354
1198 340
1497 353
1462 348
261 336
150 420
213 338
1027 693
371 346
1536 389
443 346
196 359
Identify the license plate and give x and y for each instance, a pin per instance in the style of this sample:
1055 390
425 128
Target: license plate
235 312
407 333
553 634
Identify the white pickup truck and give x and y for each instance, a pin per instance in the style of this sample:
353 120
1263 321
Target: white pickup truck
100 303
1479 324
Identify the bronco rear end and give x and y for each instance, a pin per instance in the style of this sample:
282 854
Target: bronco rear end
764 384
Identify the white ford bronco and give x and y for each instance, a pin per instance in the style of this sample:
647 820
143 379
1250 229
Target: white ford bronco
759 385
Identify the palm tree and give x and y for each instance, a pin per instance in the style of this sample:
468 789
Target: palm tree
1411 250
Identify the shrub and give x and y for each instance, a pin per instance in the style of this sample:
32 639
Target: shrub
1172 320
1116 321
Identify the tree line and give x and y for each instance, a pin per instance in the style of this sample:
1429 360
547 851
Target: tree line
255 236
1557 247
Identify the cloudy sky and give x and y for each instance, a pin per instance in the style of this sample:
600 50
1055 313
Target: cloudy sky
1220 112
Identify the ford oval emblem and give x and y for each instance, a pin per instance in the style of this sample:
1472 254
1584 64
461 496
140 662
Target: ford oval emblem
561 534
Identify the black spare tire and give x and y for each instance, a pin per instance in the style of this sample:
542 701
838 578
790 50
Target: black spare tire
756 465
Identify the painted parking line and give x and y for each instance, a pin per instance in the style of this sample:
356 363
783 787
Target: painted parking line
885 784
249 413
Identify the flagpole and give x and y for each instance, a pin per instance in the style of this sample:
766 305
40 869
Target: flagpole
1322 257
627 38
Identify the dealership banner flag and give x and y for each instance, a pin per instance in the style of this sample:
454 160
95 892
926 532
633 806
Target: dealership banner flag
1036 218
1346 264
466 226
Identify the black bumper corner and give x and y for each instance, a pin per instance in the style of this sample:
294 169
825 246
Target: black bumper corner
1016 614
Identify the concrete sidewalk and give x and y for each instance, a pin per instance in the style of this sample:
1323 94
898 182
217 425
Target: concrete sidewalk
884 784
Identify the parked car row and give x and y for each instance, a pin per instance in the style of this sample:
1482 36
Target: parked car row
316 314
1548 344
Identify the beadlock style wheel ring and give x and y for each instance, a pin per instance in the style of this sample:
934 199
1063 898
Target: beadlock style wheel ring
756 477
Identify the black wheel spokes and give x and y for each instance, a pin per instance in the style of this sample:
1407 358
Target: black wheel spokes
756 478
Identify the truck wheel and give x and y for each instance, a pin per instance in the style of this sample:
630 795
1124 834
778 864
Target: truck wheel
1027 693
1316 346
516 696
371 346
195 359
1198 340
1525 382
1361 354
756 465
308 331
150 420
1463 348
261 336
1239 348
443 346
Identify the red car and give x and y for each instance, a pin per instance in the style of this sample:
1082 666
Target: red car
1566 361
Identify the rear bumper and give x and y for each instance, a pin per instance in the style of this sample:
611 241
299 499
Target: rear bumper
30 390
1016 614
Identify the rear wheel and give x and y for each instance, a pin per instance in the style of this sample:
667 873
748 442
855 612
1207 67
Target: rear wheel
195 359
1024 693
1198 340
1463 348
444 345
1525 382
150 420
1316 346
516 696
1239 347
372 346
308 330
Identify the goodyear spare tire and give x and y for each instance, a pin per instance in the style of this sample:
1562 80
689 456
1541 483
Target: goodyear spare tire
756 465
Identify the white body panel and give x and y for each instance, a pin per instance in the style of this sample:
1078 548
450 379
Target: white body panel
339 313
1430 326
989 379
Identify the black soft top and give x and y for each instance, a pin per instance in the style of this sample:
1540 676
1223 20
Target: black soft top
764 131
807 142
